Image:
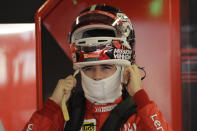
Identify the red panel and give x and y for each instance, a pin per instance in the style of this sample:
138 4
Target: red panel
17 75
156 23
174 15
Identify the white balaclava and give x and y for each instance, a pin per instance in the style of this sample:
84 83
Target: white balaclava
102 91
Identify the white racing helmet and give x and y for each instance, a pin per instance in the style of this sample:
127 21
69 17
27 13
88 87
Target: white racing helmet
102 34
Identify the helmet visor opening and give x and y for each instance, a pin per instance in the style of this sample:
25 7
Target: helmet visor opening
93 30
98 19
98 33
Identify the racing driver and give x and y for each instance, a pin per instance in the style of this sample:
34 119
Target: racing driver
111 97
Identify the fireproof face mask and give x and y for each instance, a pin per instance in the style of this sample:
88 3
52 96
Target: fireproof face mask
102 91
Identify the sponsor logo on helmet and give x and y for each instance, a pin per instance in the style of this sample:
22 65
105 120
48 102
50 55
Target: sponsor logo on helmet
91 55
122 54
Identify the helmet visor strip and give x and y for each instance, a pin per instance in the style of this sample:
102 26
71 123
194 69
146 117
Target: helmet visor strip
93 44
104 48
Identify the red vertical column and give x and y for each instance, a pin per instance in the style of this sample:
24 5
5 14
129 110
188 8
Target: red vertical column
174 21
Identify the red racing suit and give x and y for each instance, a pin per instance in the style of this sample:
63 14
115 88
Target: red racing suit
147 118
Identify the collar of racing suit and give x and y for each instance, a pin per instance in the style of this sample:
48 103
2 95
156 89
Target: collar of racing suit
98 108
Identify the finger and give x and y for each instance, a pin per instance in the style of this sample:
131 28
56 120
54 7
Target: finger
68 77
72 80
67 96
68 87
61 83
69 84
67 91
128 71
125 74
136 69
132 72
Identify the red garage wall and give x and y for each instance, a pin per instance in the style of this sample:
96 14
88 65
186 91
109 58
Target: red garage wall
17 75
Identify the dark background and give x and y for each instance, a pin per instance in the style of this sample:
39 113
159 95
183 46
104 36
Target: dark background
56 63
189 42
19 11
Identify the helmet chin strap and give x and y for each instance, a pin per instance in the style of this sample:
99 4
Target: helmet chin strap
142 68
